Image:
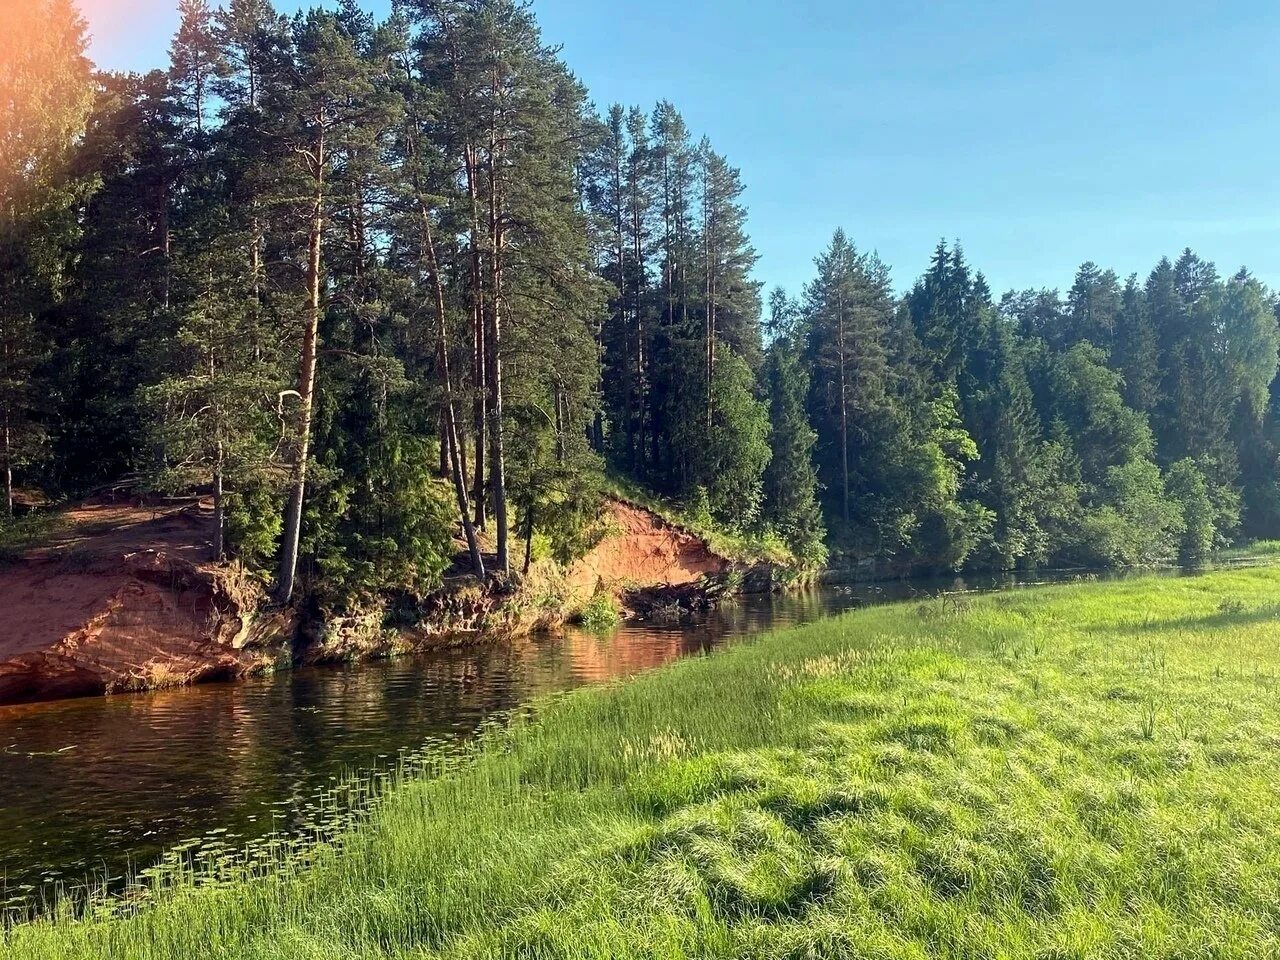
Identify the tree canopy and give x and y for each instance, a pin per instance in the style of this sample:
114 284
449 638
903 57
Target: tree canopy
395 295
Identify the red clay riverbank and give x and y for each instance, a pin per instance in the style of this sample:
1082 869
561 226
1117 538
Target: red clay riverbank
123 599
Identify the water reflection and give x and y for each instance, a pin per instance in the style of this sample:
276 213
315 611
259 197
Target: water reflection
100 786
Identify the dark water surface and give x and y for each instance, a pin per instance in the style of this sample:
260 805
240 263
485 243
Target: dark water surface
100 787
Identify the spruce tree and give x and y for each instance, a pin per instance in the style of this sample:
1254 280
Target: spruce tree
1093 308
791 480
1136 353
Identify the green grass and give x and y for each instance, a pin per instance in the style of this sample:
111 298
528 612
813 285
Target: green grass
20 534
1067 772
1260 550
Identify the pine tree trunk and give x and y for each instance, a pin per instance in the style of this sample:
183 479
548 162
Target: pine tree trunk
166 249
219 512
255 269
220 452
7 452
6 441
451 445
528 542
708 326
844 415
642 400
493 343
620 258
479 355
306 390
471 165
562 409
444 465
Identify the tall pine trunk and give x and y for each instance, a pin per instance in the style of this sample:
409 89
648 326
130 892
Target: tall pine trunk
452 445
528 542
844 414
7 453
6 449
493 344
642 397
620 263
479 362
219 511
306 389
709 321
479 353
220 450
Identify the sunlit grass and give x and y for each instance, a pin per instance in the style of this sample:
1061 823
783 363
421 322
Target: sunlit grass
1084 771
1260 550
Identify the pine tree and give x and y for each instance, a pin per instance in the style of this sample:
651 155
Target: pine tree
426 174
251 37
847 307
674 162
197 63
640 214
325 106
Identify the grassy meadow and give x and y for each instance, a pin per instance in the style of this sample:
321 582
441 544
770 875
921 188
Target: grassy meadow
1086 771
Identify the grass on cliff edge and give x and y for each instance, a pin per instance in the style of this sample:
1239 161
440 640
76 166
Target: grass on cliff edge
736 545
1084 771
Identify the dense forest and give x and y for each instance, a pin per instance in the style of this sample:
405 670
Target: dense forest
380 288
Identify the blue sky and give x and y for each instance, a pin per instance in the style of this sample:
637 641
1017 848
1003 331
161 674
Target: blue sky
1041 134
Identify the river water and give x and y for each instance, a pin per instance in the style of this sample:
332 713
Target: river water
97 788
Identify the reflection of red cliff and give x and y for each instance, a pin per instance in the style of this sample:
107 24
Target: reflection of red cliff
120 602
598 659
642 549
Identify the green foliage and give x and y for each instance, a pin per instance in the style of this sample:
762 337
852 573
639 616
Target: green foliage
1187 488
600 614
253 520
698 512
791 481
431 205
556 488
1133 523
733 458
389 530
21 533
46 90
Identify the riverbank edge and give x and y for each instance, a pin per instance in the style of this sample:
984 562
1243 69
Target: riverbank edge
812 653
157 619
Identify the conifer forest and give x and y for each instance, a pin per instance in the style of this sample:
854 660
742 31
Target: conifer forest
391 289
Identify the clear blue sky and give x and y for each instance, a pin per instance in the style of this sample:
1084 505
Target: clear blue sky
1041 134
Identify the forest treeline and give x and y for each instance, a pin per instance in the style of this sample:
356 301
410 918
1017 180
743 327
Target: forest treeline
377 287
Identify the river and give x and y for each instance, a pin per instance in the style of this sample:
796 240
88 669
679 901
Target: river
94 789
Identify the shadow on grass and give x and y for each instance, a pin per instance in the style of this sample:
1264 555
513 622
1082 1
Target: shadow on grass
25 533
1222 620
